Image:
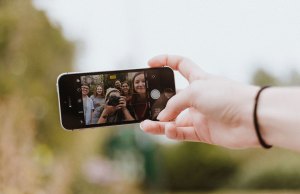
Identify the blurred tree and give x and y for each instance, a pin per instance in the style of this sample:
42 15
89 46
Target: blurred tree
195 167
32 54
262 77
129 143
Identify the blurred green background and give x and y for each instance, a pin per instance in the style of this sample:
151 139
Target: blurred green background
37 156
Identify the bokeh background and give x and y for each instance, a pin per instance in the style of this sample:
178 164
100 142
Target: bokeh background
256 42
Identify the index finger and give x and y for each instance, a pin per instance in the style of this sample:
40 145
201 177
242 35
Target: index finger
186 67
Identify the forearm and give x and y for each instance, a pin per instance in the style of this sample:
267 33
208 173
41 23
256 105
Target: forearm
127 115
103 117
279 116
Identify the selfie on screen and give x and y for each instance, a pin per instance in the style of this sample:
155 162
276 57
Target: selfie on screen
118 98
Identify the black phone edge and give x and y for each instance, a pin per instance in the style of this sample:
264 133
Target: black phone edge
97 72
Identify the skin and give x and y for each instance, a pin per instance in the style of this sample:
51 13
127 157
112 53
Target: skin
125 88
85 90
99 90
216 110
139 85
118 84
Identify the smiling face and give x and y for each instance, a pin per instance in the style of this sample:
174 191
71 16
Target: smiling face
125 87
85 90
139 84
118 84
99 90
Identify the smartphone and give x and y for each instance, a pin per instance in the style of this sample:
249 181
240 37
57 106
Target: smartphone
96 99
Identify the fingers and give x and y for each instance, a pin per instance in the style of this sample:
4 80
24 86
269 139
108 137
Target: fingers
153 127
184 119
186 67
170 130
176 105
181 133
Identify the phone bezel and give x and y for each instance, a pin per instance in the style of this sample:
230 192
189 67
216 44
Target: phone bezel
104 72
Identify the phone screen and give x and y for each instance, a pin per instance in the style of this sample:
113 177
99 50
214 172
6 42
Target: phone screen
113 98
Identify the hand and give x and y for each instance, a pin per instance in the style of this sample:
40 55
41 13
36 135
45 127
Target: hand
211 109
109 109
155 112
122 103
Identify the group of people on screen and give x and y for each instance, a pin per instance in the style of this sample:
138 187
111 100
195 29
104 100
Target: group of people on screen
119 102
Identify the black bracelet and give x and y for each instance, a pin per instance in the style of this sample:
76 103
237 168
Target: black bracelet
256 125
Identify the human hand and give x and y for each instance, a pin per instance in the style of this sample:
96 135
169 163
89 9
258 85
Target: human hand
211 109
109 109
122 103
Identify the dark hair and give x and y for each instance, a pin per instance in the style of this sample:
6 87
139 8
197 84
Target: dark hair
95 91
125 82
85 85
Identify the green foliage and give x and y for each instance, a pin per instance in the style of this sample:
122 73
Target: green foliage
276 179
262 77
274 169
32 54
191 166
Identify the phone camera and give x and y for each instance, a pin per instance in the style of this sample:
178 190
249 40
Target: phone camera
153 76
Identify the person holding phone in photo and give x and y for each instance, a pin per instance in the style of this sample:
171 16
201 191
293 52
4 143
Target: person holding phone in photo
115 109
139 96
98 100
88 105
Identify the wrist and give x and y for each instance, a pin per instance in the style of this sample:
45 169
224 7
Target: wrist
268 114
280 117
247 103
